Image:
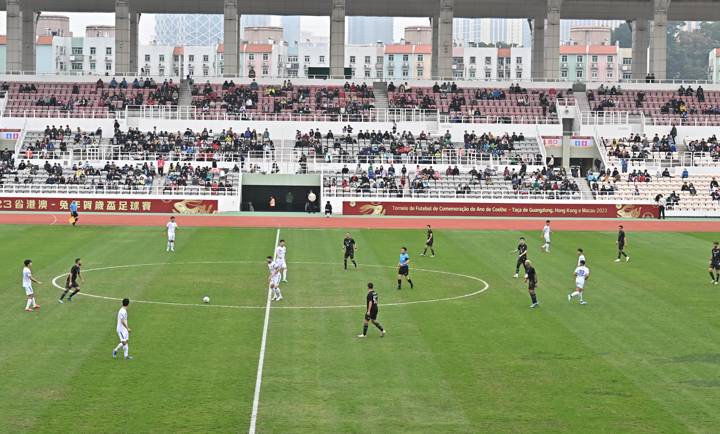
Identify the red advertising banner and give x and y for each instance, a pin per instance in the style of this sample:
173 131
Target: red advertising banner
552 141
452 209
110 205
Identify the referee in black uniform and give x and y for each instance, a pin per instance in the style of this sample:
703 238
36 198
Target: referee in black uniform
621 245
371 312
72 281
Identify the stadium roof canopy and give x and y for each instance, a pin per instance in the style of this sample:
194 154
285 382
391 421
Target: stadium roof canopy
679 10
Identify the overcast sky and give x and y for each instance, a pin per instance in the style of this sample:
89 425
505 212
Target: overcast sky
318 25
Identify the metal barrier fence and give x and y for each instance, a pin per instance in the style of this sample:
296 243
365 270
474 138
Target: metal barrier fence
78 189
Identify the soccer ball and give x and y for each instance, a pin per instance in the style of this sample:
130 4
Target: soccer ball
206 299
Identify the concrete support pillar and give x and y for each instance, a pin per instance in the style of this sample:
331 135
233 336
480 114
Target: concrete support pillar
122 36
442 44
14 37
658 43
538 48
337 38
435 47
640 40
444 39
29 20
231 39
552 39
134 21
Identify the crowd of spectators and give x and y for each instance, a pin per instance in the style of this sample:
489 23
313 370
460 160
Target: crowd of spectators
709 145
55 142
388 145
638 146
552 182
286 98
204 145
112 177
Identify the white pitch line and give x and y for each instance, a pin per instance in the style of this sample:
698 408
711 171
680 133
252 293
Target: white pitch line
486 286
261 359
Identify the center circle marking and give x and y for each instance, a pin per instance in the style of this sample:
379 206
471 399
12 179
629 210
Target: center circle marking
486 286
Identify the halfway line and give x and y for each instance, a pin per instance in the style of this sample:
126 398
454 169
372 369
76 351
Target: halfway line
261 359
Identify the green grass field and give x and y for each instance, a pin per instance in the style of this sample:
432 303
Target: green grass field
642 356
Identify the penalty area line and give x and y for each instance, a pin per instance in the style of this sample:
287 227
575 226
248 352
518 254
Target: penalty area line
261 359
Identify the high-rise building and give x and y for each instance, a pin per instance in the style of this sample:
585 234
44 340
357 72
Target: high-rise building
492 31
188 30
254 21
291 29
368 30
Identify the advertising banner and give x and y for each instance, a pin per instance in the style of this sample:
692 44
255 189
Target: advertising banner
110 205
470 209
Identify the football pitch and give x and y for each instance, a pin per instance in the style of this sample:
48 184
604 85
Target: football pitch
463 353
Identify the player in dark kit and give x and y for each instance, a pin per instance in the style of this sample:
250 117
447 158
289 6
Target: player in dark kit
72 281
371 312
429 240
404 268
522 255
621 244
714 267
531 280
349 249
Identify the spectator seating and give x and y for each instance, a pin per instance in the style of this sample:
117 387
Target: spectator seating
693 193
45 99
637 148
378 146
218 99
512 104
702 152
662 105
141 178
426 182
58 142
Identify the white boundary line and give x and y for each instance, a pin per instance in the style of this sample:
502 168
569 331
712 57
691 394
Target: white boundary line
261 359
486 286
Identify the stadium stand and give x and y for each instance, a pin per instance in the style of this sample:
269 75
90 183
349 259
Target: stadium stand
683 193
664 106
109 178
428 182
423 148
214 99
514 104
84 99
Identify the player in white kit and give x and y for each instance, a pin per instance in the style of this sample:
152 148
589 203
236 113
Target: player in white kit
280 251
27 281
582 274
581 256
171 227
546 236
274 278
123 330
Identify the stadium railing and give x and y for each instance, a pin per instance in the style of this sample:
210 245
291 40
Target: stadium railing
79 189
565 81
63 114
287 155
435 194
605 118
